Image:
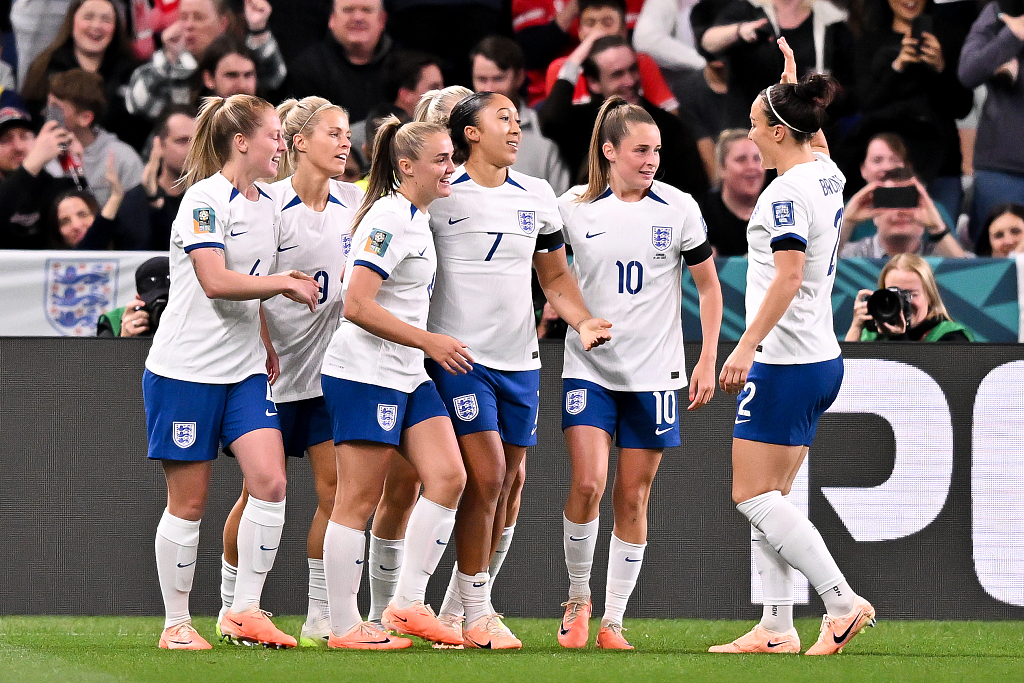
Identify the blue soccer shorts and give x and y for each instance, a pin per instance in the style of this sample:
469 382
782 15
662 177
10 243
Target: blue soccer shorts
641 419
367 412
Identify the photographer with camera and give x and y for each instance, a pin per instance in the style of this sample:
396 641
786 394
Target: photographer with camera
992 56
907 219
906 307
141 316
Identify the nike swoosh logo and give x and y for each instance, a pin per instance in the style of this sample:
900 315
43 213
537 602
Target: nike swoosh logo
595 234
182 566
360 561
781 642
424 251
182 642
375 642
263 547
451 222
739 422
583 538
482 647
236 234
478 585
563 631
389 569
280 249
659 432
846 633
406 621
270 414
236 623
438 541
630 559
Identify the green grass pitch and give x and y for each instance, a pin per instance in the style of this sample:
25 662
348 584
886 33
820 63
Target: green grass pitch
123 649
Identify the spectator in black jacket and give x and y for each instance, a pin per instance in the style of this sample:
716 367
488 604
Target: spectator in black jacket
611 69
27 192
346 66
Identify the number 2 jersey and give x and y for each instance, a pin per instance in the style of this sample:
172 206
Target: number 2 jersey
486 238
316 243
215 341
802 208
628 258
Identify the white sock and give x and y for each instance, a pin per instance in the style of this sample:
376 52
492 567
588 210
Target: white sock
259 535
343 566
430 529
776 582
228 574
177 547
474 595
317 610
452 605
624 562
385 564
794 537
579 542
499 556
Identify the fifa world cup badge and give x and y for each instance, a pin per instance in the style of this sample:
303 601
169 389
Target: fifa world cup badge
377 243
204 221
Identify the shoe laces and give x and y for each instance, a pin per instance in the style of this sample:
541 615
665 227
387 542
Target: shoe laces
451 620
495 626
371 629
574 605
183 629
615 628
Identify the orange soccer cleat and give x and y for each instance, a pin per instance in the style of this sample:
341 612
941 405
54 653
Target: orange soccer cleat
836 632
574 631
610 637
254 628
183 637
367 636
760 639
419 620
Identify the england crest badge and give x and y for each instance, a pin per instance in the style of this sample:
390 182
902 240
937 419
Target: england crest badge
576 401
466 407
661 237
528 221
77 292
183 434
387 416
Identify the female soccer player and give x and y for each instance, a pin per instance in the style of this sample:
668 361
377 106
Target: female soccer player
631 236
787 366
495 224
378 393
205 379
314 216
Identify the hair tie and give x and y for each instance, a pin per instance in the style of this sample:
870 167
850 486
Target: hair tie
768 96
315 112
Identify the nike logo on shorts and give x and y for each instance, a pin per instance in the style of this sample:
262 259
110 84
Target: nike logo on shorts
739 421
659 432
270 414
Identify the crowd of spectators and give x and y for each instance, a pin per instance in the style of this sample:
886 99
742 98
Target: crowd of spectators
98 99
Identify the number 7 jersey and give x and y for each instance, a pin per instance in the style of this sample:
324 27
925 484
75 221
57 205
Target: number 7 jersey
802 208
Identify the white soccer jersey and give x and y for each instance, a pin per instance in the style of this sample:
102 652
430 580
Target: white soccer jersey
316 244
486 238
393 239
628 259
806 204
215 341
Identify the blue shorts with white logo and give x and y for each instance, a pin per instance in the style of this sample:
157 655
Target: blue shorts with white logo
781 404
367 412
304 423
642 419
186 420
486 400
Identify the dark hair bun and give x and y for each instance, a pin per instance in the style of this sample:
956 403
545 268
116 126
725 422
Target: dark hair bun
817 89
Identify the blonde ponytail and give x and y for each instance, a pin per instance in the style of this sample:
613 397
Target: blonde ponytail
220 120
299 116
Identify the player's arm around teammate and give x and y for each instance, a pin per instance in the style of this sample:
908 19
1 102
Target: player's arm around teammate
205 380
631 238
378 393
787 367
314 215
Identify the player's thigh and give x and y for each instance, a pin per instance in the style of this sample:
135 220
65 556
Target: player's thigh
260 454
430 445
188 487
759 467
635 470
589 448
324 464
483 455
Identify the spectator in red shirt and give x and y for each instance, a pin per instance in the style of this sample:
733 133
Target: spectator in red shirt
605 18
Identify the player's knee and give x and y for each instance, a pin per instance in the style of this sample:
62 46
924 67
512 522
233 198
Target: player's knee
589 490
488 485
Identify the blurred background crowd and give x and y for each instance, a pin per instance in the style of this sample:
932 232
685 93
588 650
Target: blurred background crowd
98 99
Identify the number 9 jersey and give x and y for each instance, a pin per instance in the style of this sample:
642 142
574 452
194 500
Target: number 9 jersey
801 209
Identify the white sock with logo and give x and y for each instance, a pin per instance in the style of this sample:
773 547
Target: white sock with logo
776 583
624 562
499 556
177 547
452 605
343 567
317 611
579 542
385 564
228 574
430 529
474 595
259 535
798 542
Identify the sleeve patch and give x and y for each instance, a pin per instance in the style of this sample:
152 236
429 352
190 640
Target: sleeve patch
377 243
784 214
204 221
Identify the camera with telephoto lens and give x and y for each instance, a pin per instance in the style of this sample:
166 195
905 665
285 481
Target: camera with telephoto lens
886 306
153 284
